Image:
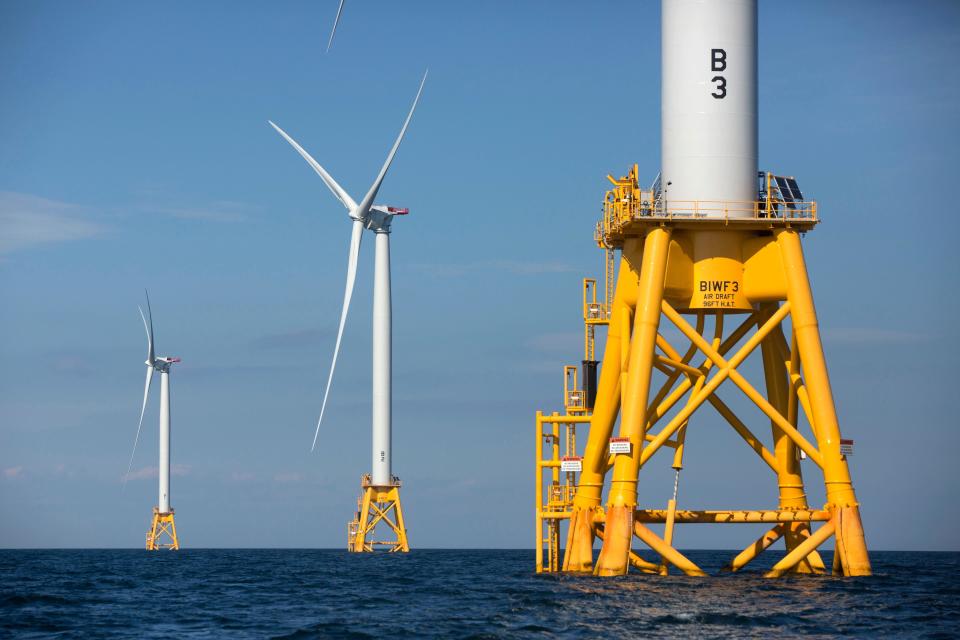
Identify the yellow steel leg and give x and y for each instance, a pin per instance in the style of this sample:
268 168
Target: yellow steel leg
699 380
840 495
359 540
636 561
580 534
538 493
755 549
802 551
670 554
615 552
789 476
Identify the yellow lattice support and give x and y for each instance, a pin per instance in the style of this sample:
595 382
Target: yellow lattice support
683 267
379 506
163 532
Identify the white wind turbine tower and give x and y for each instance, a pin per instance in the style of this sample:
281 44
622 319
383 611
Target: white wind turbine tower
380 490
162 524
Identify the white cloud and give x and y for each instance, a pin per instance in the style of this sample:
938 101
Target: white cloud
222 211
27 221
152 472
288 477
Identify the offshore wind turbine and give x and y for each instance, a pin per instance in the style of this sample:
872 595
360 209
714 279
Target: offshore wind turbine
380 489
162 524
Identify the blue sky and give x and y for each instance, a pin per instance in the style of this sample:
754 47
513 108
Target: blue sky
135 152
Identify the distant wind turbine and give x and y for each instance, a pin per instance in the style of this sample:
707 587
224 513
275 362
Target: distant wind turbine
377 218
380 490
162 513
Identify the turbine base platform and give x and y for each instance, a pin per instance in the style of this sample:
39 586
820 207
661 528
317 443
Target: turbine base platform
163 532
374 508
698 305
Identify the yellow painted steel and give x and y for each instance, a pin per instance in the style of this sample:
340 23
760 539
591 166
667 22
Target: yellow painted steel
789 475
731 516
378 505
574 400
636 561
623 489
163 532
676 263
803 550
763 542
668 553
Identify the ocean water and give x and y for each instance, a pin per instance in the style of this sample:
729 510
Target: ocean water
210 593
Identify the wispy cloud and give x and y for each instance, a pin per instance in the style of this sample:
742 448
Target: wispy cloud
72 364
869 335
293 338
13 472
220 211
288 477
516 267
28 221
152 472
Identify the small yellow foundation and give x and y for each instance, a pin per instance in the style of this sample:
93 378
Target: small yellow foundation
377 505
163 532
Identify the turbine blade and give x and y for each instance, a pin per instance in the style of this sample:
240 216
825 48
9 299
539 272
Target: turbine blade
149 329
372 193
328 180
355 237
335 23
143 408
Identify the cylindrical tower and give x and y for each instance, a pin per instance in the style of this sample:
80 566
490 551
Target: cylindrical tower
382 363
709 106
164 469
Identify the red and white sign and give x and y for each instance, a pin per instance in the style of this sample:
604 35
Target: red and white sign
846 447
571 463
619 445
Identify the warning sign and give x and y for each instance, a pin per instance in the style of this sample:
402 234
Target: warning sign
846 447
619 445
571 463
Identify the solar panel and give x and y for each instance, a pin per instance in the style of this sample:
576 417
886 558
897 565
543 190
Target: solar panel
795 189
785 192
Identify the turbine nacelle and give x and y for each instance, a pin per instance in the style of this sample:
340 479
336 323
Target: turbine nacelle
380 216
163 363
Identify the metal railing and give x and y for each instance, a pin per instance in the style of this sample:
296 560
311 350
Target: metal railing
574 400
561 496
597 311
619 212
